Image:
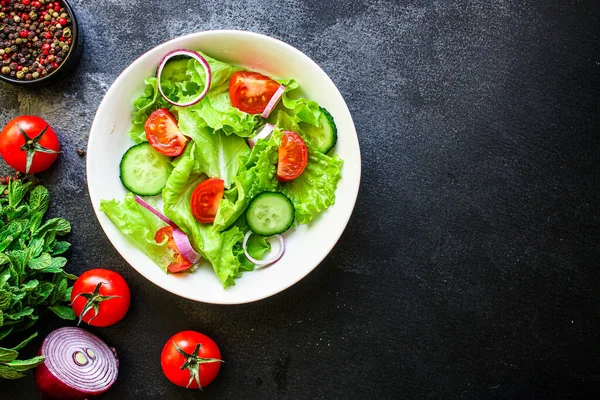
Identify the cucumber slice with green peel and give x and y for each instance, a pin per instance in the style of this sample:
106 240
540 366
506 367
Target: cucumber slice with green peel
270 213
324 136
144 171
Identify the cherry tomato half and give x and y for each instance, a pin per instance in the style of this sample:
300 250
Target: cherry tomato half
100 297
250 92
292 157
200 354
206 198
41 144
163 133
180 264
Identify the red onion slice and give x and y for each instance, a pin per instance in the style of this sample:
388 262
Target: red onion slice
182 241
195 56
263 134
273 102
155 211
268 261
78 365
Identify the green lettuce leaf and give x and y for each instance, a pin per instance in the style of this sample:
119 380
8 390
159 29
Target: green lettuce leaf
221 249
139 226
214 153
258 173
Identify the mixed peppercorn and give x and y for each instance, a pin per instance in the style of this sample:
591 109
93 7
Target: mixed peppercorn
35 37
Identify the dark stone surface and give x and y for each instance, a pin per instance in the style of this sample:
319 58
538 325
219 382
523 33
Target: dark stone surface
470 266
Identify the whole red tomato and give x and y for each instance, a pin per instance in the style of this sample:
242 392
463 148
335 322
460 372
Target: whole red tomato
190 359
100 297
29 144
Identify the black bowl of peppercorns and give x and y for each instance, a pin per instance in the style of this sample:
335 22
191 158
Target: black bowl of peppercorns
40 42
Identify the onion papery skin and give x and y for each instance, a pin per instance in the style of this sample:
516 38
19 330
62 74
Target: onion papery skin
58 348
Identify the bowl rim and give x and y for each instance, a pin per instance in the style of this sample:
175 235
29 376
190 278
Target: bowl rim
52 75
343 223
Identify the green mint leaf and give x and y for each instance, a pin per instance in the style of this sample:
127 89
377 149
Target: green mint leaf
5 298
67 295
60 248
63 311
42 262
30 285
39 199
7 355
35 221
25 365
36 246
27 311
60 286
7 372
17 191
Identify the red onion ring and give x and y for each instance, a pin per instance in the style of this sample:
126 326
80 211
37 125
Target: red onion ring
195 56
271 260
263 134
182 241
273 102
78 365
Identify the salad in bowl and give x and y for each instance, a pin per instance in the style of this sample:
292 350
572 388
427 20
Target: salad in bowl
222 164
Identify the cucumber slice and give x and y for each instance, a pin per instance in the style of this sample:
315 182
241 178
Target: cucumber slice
324 136
144 171
270 213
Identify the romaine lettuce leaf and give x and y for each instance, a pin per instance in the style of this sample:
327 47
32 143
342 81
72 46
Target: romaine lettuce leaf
139 226
216 247
256 174
214 153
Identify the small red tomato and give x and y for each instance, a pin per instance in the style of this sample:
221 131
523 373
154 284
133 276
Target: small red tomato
292 157
100 297
180 264
250 92
190 359
206 198
163 133
29 144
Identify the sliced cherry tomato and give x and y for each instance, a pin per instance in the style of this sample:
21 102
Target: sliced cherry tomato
190 359
292 157
250 92
180 264
100 297
206 198
29 144
163 133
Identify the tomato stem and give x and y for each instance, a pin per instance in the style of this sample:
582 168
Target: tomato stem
93 301
193 362
32 146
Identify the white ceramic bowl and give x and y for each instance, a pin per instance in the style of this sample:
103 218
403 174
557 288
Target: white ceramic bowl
306 246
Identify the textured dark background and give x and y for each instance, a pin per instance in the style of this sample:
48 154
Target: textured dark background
470 266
